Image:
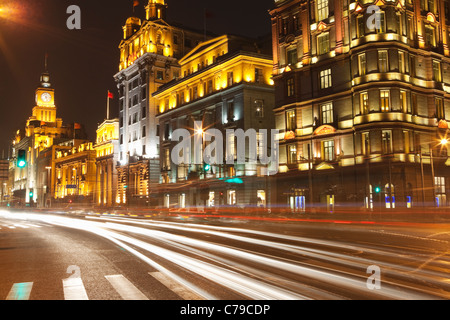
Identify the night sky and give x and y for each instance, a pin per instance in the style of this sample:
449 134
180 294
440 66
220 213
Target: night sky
82 63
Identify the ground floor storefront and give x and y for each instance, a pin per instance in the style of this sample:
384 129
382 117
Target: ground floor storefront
367 186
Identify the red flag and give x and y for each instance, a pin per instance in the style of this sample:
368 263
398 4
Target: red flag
135 3
77 126
110 95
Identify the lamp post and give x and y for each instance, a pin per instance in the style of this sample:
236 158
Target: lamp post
443 142
49 188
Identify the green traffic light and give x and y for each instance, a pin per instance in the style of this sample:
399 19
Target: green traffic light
377 189
207 167
22 159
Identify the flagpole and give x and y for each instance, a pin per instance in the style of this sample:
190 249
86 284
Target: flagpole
107 107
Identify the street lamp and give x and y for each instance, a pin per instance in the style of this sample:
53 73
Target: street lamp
443 142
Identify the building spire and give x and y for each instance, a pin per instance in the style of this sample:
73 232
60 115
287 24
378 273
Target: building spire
46 63
45 76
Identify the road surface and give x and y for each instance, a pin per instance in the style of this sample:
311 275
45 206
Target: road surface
102 257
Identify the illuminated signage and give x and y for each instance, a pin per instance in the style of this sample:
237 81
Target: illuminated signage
289 135
326 129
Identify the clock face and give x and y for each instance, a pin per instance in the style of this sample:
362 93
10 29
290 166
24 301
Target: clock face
46 97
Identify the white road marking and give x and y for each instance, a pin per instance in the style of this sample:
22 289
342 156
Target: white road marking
125 288
74 289
20 291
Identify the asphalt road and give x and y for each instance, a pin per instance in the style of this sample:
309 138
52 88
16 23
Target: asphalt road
101 257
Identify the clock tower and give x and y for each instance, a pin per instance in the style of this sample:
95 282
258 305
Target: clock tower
45 109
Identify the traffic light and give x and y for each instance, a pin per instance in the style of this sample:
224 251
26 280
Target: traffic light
206 167
31 194
21 159
377 189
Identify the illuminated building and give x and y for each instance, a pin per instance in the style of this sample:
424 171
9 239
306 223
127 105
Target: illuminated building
42 129
362 102
149 54
225 85
75 174
4 182
107 156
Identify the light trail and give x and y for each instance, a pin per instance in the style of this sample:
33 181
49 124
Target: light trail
330 256
234 267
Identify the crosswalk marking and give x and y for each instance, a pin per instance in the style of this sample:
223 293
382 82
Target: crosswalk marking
125 288
74 289
182 291
22 225
20 291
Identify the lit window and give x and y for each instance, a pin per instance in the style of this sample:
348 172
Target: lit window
362 65
440 114
382 61
322 9
437 71
261 197
291 121
328 150
325 79
365 143
403 101
384 101
292 154
364 103
430 36
439 184
381 28
327 113
231 197
401 62
292 58
387 142
323 43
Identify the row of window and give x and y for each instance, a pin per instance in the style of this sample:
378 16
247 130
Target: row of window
213 200
325 82
323 38
328 152
208 87
134 137
411 108
327 111
293 24
134 101
406 64
133 152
